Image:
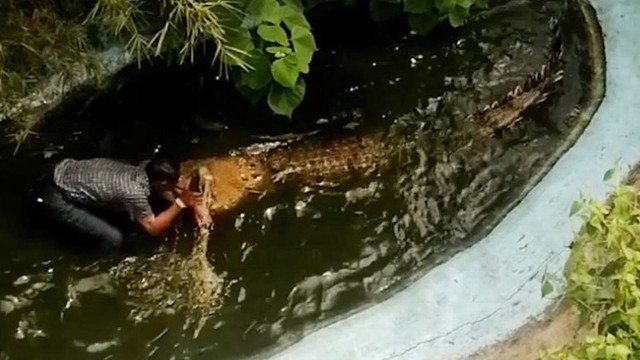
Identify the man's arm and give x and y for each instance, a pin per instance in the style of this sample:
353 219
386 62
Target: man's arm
156 225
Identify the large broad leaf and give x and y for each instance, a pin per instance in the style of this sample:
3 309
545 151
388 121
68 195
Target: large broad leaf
273 33
239 39
296 4
304 45
466 3
253 96
418 6
285 71
260 76
292 16
422 24
458 16
445 6
284 100
265 11
482 4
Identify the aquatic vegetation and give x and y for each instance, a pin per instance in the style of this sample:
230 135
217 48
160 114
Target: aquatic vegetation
602 278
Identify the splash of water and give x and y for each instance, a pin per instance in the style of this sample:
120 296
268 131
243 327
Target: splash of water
168 282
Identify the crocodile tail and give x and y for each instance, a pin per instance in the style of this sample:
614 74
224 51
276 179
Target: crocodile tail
535 90
552 72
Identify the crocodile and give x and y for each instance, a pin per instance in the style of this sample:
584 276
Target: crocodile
251 172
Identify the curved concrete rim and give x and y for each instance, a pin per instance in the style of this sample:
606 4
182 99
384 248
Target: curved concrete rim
487 292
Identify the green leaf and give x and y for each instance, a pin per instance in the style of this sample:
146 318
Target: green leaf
612 267
277 50
547 285
381 10
284 100
295 4
304 45
294 17
239 39
575 207
482 4
273 33
458 16
422 24
253 96
254 7
260 76
607 175
466 3
445 6
418 6
285 71
265 11
621 351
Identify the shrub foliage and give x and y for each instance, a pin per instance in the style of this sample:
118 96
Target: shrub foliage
603 276
265 45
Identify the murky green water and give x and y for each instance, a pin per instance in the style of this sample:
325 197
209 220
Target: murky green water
300 257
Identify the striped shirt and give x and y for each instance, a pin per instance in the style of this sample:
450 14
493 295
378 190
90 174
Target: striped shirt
105 183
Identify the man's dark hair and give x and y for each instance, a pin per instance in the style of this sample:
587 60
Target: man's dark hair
163 170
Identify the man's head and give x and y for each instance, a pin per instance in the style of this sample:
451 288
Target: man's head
163 176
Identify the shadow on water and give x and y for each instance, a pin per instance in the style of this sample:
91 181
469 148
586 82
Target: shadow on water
298 257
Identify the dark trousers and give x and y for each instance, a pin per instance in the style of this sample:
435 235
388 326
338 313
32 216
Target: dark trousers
81 221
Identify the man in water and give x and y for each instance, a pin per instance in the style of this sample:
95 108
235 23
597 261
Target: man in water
82 190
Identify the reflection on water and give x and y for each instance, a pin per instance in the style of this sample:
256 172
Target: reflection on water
297 256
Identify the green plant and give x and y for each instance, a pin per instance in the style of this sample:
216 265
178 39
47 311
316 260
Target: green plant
39 41
278 39
159 27
603 276
423 15
266 45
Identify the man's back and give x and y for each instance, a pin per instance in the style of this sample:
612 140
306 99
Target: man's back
105 183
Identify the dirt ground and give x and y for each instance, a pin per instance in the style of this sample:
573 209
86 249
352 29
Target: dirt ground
558 329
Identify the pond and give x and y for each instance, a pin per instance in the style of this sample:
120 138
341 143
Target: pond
301 256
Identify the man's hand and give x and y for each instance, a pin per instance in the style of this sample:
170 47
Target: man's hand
190 199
